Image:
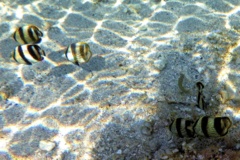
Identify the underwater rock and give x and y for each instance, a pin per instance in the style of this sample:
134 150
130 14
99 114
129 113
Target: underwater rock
46 145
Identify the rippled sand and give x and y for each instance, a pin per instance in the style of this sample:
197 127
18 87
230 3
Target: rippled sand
120 103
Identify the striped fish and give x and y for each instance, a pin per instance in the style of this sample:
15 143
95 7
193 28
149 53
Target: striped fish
28 54
28 34
182 127
212 126
200 98
200 87
78 53
201 103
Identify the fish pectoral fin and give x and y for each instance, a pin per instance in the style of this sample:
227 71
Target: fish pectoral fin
11 55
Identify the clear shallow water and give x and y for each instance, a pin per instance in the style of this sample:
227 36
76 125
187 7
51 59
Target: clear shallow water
119 104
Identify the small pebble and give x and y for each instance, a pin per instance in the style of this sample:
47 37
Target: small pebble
168 151
5 92
237 146
211 67
200 157
119 151
147 129
200 69
164 157
46 145
236 117
175 150
3 95
160 64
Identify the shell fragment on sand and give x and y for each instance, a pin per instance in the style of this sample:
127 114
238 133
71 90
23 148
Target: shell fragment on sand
46 145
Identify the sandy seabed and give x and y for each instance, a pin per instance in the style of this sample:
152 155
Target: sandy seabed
119 105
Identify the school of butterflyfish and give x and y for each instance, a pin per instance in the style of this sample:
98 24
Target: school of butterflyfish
29 52
205 126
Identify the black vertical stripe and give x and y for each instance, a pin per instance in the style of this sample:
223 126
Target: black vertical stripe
200 86
21 33
14 55
14 35
170 126
39 33
40 51
194 130
188 123
82 51
201 99
66 53
218 126
203 102
204 126
35 50
179 126
31 31
73 48
20 51
198 100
